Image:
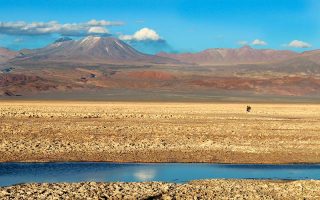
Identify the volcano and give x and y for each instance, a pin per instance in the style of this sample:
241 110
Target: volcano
91 49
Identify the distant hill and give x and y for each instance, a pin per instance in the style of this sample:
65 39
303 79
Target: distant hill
243 55
6 54
312 55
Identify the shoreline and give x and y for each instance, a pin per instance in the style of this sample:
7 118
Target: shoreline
125 162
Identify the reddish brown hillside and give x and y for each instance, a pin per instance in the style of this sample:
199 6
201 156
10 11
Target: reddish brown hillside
6 54
153 75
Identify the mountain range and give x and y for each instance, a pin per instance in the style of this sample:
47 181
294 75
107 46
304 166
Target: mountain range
243 55
105 64
94 49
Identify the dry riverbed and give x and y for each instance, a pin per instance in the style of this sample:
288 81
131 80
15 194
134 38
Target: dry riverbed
159 132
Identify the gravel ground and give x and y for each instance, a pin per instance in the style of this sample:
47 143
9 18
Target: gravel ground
201 189
159 132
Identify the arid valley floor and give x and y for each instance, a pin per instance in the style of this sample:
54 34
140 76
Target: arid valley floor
39 131
159 132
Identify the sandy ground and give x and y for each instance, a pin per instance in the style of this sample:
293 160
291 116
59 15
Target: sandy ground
159 132
204 189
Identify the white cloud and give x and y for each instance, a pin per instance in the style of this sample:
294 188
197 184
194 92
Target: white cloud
98 29
258 42
242 42
54 27
142 34
299 44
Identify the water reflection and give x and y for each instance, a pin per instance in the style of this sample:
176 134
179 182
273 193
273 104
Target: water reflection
145 174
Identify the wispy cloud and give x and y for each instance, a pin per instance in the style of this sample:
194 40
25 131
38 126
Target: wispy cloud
242 42
256 42
140 21
299 44
54 27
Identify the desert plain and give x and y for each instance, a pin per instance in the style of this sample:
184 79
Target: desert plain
159 132
46 131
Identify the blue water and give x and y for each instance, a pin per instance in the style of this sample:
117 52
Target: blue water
14 173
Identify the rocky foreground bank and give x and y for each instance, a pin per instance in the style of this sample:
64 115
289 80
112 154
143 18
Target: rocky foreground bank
200 189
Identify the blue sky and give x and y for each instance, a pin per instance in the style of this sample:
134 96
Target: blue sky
183 25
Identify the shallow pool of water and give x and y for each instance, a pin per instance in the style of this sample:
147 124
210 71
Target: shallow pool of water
14 173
